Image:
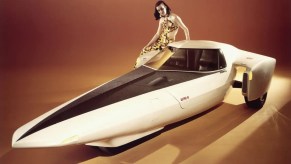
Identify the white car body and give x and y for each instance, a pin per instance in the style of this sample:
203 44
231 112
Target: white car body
167 96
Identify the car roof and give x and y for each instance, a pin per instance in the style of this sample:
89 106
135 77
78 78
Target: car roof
201 44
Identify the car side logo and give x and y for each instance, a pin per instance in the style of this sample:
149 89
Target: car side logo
184 98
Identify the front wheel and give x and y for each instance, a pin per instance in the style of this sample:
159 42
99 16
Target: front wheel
257 103
109 150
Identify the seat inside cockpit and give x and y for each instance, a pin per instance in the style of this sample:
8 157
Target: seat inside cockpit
195 60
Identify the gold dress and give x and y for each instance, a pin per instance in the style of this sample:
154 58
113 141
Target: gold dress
163 40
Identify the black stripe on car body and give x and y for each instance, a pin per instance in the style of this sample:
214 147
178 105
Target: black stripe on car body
134 83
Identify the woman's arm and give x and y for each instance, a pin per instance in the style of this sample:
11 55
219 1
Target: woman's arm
156 36
183 26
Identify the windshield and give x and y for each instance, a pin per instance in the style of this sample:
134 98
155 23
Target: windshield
188 59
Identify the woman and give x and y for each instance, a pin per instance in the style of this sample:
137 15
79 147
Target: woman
169 24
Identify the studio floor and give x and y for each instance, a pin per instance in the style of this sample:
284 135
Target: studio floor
228 133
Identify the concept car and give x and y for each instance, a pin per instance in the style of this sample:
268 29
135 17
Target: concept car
184 79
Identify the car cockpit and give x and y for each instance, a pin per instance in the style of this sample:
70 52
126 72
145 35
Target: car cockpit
189 59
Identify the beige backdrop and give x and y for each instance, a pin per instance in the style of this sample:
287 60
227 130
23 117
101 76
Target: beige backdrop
52 51
77 33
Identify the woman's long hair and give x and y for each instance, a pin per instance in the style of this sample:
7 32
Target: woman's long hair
157 14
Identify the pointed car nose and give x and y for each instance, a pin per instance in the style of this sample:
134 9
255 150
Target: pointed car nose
38 140
53 136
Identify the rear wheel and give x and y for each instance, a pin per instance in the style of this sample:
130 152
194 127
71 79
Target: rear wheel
257 103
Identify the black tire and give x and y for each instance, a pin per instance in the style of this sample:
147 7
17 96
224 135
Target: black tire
110 151
257 103
107 150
